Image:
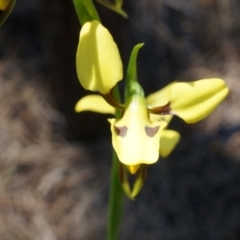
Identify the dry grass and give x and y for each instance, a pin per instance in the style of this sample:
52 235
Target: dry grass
49 189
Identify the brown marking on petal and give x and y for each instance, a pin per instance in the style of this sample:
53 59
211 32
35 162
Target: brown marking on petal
121 131
151 131
163 110
111 100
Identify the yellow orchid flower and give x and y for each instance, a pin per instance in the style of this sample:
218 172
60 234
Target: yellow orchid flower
135 138
139 135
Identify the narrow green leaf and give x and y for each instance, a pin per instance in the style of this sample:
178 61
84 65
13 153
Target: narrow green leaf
132 86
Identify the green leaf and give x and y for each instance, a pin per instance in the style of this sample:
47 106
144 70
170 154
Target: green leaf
132 86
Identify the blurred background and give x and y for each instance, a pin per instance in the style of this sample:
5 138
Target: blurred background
55 164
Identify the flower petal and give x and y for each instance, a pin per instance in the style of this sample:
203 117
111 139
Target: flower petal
6 7
133 168
168 141
99 65
158 117
4 4
135 139
94 103
194 101
160 98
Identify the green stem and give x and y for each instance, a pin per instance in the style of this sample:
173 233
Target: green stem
116 192
115 201
117 7
86 11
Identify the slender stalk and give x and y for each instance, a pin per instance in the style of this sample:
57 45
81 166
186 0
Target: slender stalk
114 202
116 192
86 11
117 7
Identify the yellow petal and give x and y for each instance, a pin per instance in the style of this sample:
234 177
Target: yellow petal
160 98
4 4
133 168
94 103
158 117
139 181
168 141
194 101
135 139
99 65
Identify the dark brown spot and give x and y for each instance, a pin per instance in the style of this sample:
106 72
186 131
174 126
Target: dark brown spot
121 131
151 131
163 110
110 99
